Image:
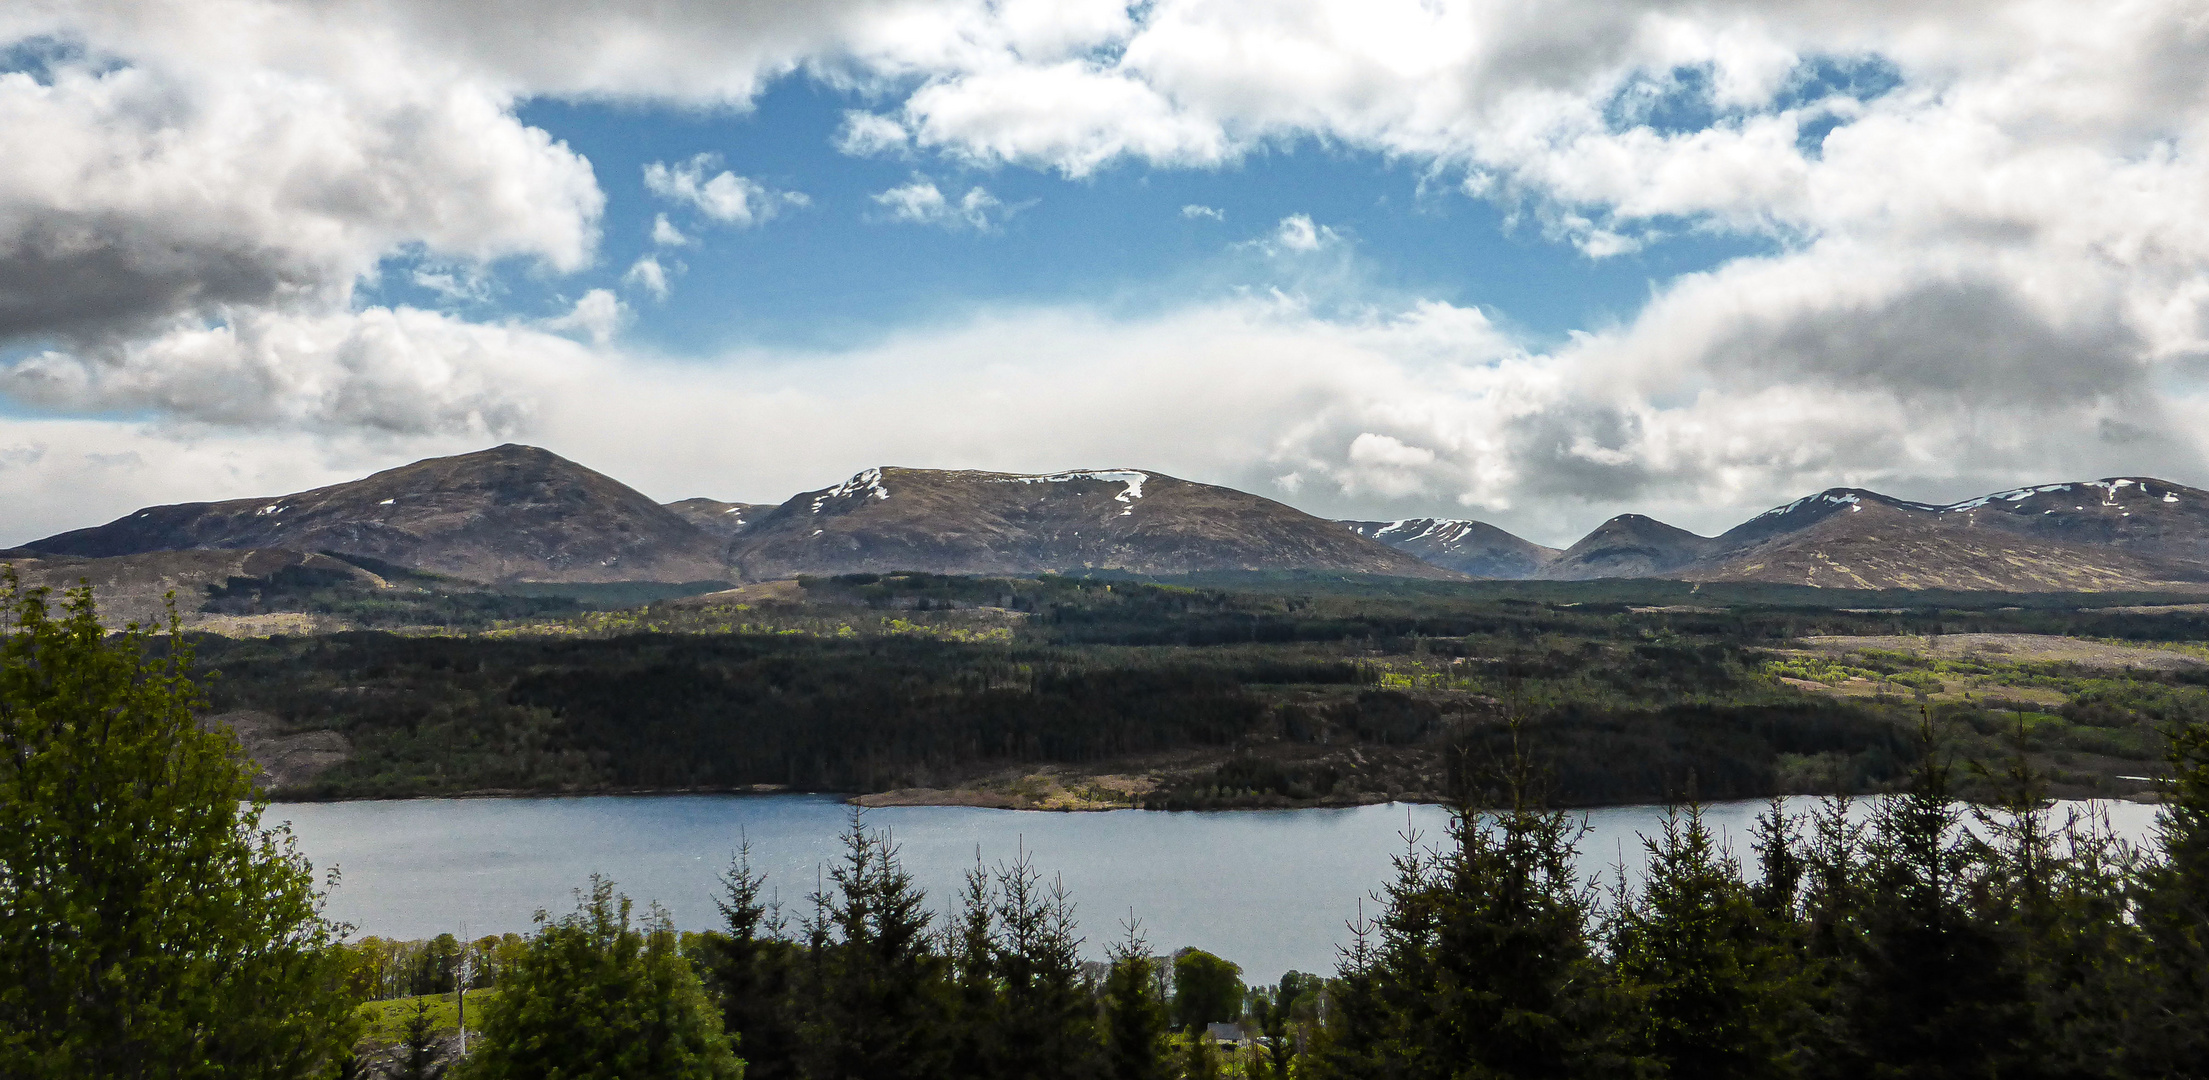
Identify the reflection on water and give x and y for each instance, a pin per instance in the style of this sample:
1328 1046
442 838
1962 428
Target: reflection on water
1270 890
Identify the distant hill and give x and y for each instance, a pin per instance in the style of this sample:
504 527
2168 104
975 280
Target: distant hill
721 520
1628 546
965 522
2115 534
1468 547
508 514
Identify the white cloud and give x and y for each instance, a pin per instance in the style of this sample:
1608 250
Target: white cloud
865 134
597 315
396 371
1195 211
647 273
921 202
1297 233
723 196
665 234
1994 269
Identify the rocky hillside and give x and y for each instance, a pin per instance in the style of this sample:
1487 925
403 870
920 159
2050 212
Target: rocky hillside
508 514
1004 523
1468 547
721 520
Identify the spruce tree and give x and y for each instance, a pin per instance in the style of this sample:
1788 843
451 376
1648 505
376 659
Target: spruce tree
1927 988
1046 1019
975 994
748 969
594 997
1515 989
149 926
1134 1012
420 1054
2173 1033
1696 959
874 998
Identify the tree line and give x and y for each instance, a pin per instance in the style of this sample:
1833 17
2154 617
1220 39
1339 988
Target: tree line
149 926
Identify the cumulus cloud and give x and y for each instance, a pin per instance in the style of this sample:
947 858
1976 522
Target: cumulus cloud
865 134
665 234
1196 211
722 196
398 371
1297 233
647 274
148 179
921 202
1985 257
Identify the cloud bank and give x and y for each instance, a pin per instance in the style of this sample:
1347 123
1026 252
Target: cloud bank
1987 250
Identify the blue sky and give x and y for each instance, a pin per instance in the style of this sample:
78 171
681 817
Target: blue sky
841 271
1534 264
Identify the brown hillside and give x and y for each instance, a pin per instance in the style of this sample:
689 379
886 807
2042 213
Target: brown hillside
508 514
1003 523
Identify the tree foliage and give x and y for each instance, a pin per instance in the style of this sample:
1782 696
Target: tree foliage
595 996
148 925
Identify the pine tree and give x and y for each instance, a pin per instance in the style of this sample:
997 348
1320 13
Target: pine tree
596 998
974 992
1516 991
2173 1035
1697 960
149 926
748 969
420 1054
875 999
1926 988
1046 1021
1352 1042
1134 1012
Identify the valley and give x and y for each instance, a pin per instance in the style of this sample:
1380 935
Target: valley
511 622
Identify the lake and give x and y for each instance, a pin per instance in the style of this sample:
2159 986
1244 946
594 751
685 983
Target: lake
1271 890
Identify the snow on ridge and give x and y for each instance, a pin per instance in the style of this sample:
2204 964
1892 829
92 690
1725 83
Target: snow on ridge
1127 496
864 483
2012 495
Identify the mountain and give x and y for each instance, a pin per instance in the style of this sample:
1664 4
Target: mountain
2114 534
1627 546
1468 547
508 514
721 520
2139 515
968 522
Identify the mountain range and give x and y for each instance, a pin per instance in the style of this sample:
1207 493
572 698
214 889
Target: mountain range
517 514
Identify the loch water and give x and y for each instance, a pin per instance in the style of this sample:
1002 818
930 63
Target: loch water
1271 890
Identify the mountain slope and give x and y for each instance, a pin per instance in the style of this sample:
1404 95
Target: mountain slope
1468 547
2114 534
968 522
132 588
1628 546
508 514
720 520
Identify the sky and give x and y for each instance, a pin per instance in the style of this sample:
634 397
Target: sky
1530 263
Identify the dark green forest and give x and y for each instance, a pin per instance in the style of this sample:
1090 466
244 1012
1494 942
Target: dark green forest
1258 692
1934 930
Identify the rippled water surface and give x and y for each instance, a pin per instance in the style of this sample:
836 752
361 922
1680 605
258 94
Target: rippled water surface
1270 890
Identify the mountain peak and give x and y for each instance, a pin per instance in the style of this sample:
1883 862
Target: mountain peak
975 522
1469 547
510 513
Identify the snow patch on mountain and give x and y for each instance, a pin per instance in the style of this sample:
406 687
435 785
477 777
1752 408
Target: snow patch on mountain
863 484
1127 496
